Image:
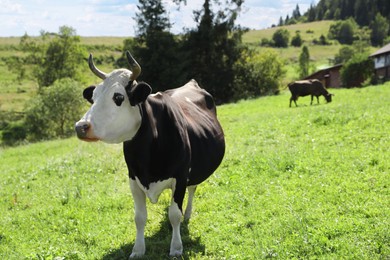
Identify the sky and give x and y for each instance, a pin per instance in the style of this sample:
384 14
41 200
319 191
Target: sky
116 17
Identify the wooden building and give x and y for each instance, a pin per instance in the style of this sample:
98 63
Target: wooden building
330 77
382 62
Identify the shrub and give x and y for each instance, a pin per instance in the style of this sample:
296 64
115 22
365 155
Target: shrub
281 38
343 31
344 55
296 40
54 111
267 42
258 74
357 70
14 133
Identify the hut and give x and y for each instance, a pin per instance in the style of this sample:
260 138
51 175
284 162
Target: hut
330 77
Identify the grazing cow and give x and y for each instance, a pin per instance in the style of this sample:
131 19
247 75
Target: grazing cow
171 140
311 87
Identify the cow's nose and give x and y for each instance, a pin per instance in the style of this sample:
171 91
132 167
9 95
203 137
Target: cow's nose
82 129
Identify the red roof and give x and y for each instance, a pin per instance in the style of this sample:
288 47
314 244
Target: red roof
383 50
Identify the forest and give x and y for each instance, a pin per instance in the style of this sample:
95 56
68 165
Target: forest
368 15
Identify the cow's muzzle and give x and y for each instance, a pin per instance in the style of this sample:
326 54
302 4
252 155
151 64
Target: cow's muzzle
82 128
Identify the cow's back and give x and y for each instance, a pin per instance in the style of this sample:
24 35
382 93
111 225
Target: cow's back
205 132
300 88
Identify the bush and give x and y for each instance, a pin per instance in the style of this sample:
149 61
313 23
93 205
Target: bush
281 38
258 74
55 110
322 40
357 70
14 133
343 31
297 40
267 42
344 55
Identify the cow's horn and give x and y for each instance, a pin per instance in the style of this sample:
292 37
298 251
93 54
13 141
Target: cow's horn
95 70
134 66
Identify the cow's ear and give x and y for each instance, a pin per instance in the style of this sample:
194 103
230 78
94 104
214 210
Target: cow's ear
138 93
88 92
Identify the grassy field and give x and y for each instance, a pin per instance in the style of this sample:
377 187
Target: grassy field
296 183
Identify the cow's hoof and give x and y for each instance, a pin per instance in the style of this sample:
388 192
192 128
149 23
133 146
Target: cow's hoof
135 255
175 253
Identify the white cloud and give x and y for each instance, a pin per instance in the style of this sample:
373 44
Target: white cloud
116 17
8 7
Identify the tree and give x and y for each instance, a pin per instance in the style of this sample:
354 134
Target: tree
357 70
63 57
344 55
258 73
213 48
281 38
281 21
296 41
154 47
304 62
362 12
379 29
151 17
53 56
311 14
54 110
343 31
296 13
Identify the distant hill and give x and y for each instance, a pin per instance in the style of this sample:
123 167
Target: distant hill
363 11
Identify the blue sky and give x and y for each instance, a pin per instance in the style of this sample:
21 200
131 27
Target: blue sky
116 17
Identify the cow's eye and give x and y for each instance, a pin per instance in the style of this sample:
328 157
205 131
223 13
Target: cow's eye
118 99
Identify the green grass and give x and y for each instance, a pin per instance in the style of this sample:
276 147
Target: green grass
310 182
308 31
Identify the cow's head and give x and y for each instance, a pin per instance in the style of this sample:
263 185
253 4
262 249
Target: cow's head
328 97
114 116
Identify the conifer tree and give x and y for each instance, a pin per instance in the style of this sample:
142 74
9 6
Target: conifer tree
304 62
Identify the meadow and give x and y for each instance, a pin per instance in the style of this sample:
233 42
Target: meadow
310 182
14 94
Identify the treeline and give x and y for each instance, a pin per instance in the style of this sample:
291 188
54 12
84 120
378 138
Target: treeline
212 52
371 17
362 11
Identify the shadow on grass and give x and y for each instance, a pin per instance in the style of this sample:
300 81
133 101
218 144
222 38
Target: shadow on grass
157 246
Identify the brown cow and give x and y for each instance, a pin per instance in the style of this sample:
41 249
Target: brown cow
311 87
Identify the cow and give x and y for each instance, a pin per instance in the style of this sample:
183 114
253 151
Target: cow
311 87
171 140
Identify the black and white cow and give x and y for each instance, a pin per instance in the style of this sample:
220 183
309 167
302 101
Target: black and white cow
171 140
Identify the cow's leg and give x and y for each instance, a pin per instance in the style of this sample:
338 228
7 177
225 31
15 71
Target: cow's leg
311 103
175 218
293 98
191 192
140 218
318 101
175 215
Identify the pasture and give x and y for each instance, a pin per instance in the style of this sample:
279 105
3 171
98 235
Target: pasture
14 94
310 182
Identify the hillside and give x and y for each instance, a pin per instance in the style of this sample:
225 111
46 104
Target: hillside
310 182
14 94
309 31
